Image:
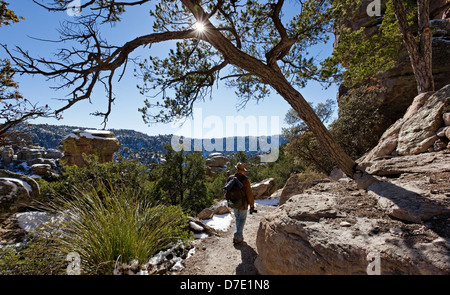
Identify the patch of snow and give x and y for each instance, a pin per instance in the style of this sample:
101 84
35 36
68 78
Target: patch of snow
105 132
201 236
30 221
71 135
195 226
220 222
267 182
159 257
91 134
269 201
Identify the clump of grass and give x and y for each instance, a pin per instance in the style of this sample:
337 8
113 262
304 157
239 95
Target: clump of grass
109 224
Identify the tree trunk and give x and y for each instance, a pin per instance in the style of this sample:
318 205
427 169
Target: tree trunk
421 52
272 76
306 112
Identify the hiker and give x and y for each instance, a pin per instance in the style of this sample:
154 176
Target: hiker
240 212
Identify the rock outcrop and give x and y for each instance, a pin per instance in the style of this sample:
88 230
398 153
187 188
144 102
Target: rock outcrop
422 128
297 184
334 228
218 208
264 189
22 159
401 216
215 164
16 192
101 143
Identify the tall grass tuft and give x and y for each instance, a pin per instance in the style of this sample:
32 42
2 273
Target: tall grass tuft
112 223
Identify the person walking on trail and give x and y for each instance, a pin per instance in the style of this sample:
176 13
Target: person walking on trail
240 213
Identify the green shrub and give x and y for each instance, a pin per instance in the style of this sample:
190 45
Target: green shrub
181 180
109 223
124 172
39 256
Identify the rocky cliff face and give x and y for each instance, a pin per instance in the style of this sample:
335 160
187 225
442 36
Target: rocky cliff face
398 84
334 228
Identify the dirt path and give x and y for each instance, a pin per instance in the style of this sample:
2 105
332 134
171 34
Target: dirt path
218 256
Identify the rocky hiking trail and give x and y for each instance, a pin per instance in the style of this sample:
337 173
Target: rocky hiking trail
217 255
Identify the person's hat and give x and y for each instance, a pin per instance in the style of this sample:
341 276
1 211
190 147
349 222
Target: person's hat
241 167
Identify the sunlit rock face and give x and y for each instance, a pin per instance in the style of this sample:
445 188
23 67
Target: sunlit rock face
101 143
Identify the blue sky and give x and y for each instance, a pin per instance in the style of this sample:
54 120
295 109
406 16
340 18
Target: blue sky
42 24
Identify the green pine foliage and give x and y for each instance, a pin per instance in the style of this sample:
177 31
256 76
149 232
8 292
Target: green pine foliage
181 180
360 55
303 146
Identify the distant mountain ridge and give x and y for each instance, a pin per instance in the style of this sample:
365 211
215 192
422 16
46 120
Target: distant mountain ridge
50 137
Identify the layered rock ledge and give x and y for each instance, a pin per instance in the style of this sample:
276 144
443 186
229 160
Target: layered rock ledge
335 228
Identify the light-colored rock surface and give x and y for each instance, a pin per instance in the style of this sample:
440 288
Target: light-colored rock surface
297 183
418 132
333 228
406 201
264 189
89 142
427 162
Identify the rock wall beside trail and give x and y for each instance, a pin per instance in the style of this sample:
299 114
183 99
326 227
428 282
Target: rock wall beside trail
402 216
16 192
332 228
398 84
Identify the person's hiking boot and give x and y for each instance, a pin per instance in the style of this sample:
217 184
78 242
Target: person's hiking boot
237 240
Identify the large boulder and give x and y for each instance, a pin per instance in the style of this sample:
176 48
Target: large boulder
219 208
422 128
298 183
398 85
418 132
41 169
216 160
16 192
263 189
334 228
89 142
215 164
6 154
